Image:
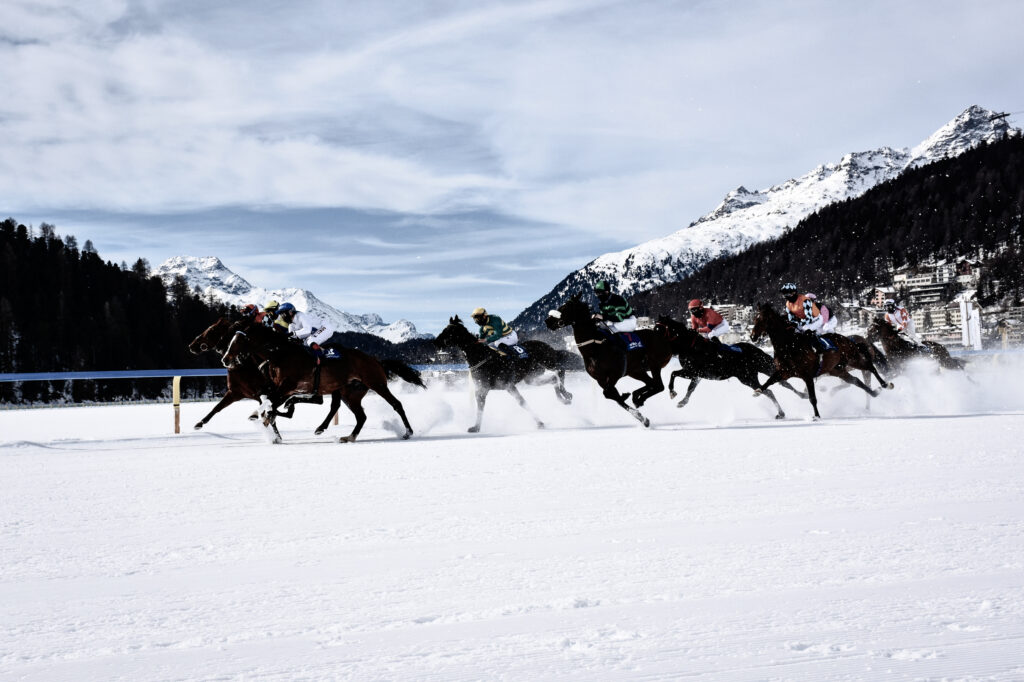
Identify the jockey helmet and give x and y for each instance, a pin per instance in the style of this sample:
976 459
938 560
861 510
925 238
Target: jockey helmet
788 289
601 286
285 308
478 312
271 306
695 303
250 310
890 305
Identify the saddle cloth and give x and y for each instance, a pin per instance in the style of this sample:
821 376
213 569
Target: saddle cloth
518 352
632 340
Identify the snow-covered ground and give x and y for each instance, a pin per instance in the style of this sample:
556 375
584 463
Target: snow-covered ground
718 545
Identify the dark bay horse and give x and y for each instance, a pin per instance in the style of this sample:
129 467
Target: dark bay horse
607 361
292 370
700 358
900 350
245 381
492 370
800 355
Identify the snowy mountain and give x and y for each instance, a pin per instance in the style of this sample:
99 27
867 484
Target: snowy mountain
211 277
747 217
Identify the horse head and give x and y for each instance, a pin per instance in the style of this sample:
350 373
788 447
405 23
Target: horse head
211 338
569 313
455 334
762 320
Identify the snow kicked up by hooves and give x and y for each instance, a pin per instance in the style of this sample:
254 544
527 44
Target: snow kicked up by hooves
881 543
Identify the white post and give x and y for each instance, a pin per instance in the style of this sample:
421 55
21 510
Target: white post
176 393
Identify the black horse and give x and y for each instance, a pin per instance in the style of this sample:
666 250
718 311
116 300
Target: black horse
607 361
700 358
801 355
493 370
900 350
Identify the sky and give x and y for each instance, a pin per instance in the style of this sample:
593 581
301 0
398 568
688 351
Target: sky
419 159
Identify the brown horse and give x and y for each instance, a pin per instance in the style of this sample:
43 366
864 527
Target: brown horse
244 381
607 360
900 350
801 355
298 375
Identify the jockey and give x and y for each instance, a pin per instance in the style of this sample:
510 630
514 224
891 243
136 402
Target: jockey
307 327
802 310
253 312
494 331
900 320
707 320
829 321
616 313
272 319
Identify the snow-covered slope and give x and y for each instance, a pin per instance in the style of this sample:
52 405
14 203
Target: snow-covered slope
747 217
210 276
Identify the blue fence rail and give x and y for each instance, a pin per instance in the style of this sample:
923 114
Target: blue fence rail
164 373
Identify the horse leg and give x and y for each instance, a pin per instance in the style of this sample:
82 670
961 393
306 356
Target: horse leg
652 386
563 394
850 379
793 388
775 377
268 413
672 382
354 401
809 381
228 398
335 404
481 398
750 379
689 391
522 403
385 392
620 399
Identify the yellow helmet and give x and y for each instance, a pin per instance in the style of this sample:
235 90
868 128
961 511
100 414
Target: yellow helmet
271 306
479 312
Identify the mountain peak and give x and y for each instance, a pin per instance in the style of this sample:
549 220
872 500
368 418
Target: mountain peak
746 217
212 278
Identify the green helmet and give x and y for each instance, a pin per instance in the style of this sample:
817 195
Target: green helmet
602 285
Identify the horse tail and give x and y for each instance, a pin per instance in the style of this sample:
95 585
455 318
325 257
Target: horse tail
397 368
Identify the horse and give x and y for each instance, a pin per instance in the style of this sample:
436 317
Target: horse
900 350
800 355
700 358
244 381
493 370
607 360
300 376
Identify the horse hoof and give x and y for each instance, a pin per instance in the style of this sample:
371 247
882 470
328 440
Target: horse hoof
672 394
890 386
473 429
647 423
406 435
780 415
253 417
347 439
277 440
757 392
198 426
318 432
540 425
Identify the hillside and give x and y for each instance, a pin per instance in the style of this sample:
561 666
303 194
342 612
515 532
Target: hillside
746 217
945 209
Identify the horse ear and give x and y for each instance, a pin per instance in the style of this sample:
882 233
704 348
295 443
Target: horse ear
457 320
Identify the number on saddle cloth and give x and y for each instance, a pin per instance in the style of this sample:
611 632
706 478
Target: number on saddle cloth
632 340
518 352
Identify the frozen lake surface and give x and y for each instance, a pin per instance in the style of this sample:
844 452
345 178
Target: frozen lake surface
878 544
